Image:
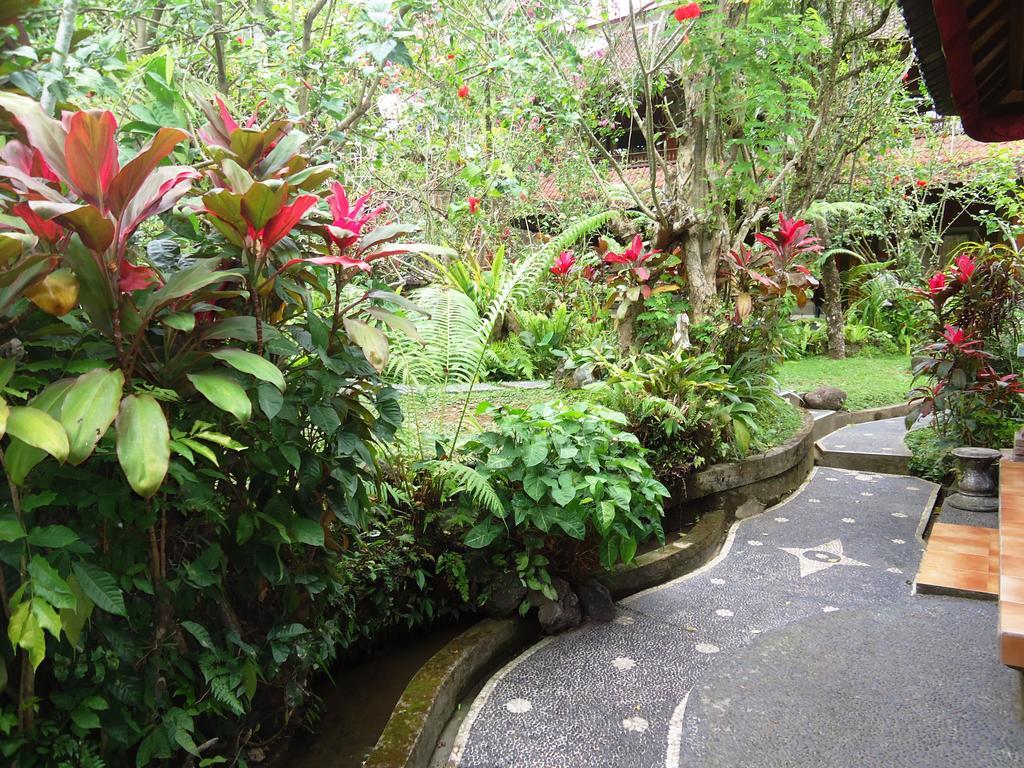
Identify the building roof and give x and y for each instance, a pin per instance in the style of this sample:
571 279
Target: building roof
971 54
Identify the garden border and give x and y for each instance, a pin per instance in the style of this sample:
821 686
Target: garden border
726 492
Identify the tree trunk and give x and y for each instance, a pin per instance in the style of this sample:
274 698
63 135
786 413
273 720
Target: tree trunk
61 46
218 47
701 285
833 304
626 328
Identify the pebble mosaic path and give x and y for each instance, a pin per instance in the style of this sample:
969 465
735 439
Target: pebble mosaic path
801 644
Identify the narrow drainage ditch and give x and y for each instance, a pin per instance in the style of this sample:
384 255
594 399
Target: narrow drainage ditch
356 705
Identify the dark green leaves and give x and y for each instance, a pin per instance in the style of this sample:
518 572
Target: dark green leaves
100 587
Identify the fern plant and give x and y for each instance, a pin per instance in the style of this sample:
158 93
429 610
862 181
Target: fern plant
455 335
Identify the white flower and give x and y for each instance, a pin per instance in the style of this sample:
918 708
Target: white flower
718 581
781 519
724 613
898 514
706 648
849 520
829 609
898 541
754 543
893 570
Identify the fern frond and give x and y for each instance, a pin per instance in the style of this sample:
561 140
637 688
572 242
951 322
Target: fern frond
449 351
456 478
529 269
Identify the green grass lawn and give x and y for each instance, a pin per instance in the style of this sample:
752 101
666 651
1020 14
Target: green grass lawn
870 382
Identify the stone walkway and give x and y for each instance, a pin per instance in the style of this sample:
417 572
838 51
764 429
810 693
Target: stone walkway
800 645
874 445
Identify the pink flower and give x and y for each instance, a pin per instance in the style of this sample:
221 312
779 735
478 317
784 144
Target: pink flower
563 264
688 11
464 92
633 257
965 267
937 283
474 204
348 220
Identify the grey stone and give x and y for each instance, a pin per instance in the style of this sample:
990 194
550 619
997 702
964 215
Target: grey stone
596 600
574 378
825 398
558 615
506 593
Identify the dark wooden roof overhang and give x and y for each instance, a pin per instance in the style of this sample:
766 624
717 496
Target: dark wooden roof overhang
971 54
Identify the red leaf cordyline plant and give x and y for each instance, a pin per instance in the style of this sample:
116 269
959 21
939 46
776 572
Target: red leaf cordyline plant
162 352
629 274
970 386
779 268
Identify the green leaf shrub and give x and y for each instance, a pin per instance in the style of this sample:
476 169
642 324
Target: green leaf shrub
574 490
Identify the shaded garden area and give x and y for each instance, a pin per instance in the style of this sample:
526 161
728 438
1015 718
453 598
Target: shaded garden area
328 325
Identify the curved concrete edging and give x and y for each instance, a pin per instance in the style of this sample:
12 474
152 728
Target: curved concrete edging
738 489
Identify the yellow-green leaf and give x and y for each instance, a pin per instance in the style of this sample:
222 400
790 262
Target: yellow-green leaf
21 457
4 411
143 443
38 429
371 340
24 631
89 409
224 392
254 365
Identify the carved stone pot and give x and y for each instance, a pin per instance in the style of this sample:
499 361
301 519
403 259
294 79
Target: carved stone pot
977 491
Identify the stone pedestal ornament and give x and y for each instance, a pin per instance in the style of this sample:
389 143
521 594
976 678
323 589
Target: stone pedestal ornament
977 491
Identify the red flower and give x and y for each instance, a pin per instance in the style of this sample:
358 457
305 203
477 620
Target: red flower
688 11
954 335
474 204
464 92
348 220
965 267
633 257
563 264
922 183
937 283
451 56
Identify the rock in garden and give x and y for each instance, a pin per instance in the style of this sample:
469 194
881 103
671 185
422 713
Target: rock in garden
507 592
596 600
574 378
825 398
558 615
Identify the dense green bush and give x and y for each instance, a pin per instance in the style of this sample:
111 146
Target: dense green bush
193 477
566 488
